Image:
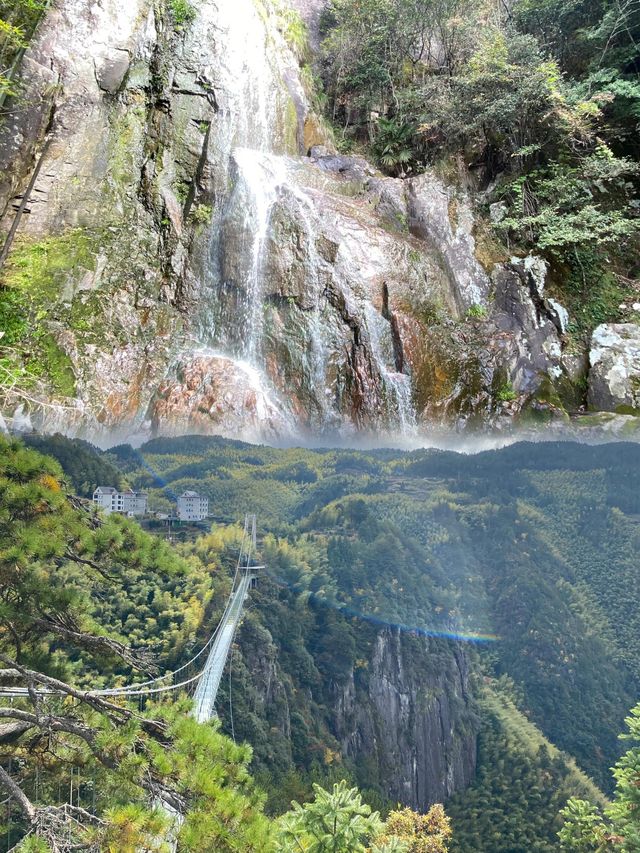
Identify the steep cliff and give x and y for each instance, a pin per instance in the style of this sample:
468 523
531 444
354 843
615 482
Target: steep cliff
397 711
194 257
411 723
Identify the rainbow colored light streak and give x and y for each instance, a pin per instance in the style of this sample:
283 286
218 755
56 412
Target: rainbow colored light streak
459 636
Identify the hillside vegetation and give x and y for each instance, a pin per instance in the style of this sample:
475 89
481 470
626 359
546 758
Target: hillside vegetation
536 104
88 601
470 550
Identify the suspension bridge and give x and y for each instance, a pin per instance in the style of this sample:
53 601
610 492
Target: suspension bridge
204 684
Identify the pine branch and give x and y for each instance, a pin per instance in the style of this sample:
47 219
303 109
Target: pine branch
85 561
14 790
139 659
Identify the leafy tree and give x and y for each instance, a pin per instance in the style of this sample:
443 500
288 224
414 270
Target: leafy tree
616 827
539 98
85 466
334 821
18 20
562 207
597 44
393 144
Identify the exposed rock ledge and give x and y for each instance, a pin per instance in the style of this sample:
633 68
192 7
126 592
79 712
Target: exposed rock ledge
614 377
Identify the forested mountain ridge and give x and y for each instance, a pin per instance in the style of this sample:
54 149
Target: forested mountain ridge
101 771
500 555
466 553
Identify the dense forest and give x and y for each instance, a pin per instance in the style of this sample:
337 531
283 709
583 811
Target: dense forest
87 601
537 104
438 554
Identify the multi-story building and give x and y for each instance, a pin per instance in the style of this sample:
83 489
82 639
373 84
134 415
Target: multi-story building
133 503
127 502
192 507
106 497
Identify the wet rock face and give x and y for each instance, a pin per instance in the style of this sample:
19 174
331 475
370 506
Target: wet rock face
412 719
530 327
318 282
211 393
443 218
614 375
360 323
357 300
140 129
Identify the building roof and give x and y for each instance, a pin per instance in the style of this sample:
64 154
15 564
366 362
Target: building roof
109 490
189 494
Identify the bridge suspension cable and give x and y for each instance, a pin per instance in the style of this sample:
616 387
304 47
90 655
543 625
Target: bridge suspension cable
218 645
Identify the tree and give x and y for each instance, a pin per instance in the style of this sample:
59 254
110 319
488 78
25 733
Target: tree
418 833
83 770
617 826
339 822
563 207
334 821
18 20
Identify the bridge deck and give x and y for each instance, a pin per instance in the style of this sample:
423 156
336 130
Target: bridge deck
207 690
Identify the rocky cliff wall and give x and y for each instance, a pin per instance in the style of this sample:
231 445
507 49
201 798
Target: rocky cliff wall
399 714
191 259
411 722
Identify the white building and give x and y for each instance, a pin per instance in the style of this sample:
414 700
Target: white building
128 502
192 507
133 503
106 497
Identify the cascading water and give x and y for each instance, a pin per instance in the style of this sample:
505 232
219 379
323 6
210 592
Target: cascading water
252 315
258 181
396 385
252 99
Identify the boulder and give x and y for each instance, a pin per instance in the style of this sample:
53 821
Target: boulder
111 70
614 375
533 351
212 393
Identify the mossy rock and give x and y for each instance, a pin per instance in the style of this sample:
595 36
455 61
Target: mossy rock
40 276
41 269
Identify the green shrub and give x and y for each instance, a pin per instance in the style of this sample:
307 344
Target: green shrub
182 12
14 322
202 214
506 393
477 311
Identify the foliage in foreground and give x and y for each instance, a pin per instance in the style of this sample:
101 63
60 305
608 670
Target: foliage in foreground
95 770
338 821
102 773
588 829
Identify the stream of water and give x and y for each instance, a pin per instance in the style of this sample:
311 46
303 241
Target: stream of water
258 178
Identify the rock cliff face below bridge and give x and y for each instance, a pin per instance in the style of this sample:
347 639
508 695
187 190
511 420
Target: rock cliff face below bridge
414 726
402 719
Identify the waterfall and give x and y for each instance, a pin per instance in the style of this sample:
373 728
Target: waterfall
397 386
259 179
249 80
257 175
